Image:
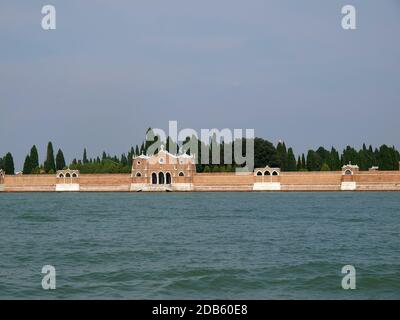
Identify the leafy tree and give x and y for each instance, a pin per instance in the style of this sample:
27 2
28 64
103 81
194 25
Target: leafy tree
325 167
264 153
313 161
124 160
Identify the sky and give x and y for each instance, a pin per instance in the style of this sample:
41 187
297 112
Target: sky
111 69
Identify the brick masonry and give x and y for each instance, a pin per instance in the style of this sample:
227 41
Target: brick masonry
201 182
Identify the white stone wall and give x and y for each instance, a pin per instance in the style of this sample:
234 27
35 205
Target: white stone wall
67 187
348 186
267 186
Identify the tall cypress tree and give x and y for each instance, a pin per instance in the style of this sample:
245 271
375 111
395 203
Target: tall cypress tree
34 157
49 164
299 164
282 156
335 159
291 161
9 164
85 159
27 165
60 160
303 162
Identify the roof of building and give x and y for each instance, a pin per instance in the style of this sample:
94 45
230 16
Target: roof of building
353 166
183 155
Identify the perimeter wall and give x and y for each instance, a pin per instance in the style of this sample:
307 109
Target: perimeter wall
287 181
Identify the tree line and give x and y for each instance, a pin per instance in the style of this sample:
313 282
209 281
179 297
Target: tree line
265 153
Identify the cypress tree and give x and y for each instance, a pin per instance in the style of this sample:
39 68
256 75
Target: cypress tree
60 160
34 157
85 159
303 162
27 165
335 160
9 164
49 164
282 156
299 163
291 160
124 160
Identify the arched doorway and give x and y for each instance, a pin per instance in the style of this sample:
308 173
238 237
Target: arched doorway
348 172
154 178
161 179
168 178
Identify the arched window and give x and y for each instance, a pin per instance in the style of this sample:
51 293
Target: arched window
68 175
138 174
61 176
168 178
74 175
161 179
267 173
348 172
274 173
181 174
154 178
259 173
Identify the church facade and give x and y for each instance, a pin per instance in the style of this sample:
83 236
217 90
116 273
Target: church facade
163 172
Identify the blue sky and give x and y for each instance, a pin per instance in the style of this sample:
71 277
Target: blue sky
114 68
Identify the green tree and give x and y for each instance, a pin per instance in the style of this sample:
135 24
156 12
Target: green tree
291 161
303 162
27 165
313 161
282 156
85 158
9 164
49 164
264 153
60 160
335 160
34 157
299 166
325 167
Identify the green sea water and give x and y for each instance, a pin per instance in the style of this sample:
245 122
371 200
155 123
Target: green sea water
200 245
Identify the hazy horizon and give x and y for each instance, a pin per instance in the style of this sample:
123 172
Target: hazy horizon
112 69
